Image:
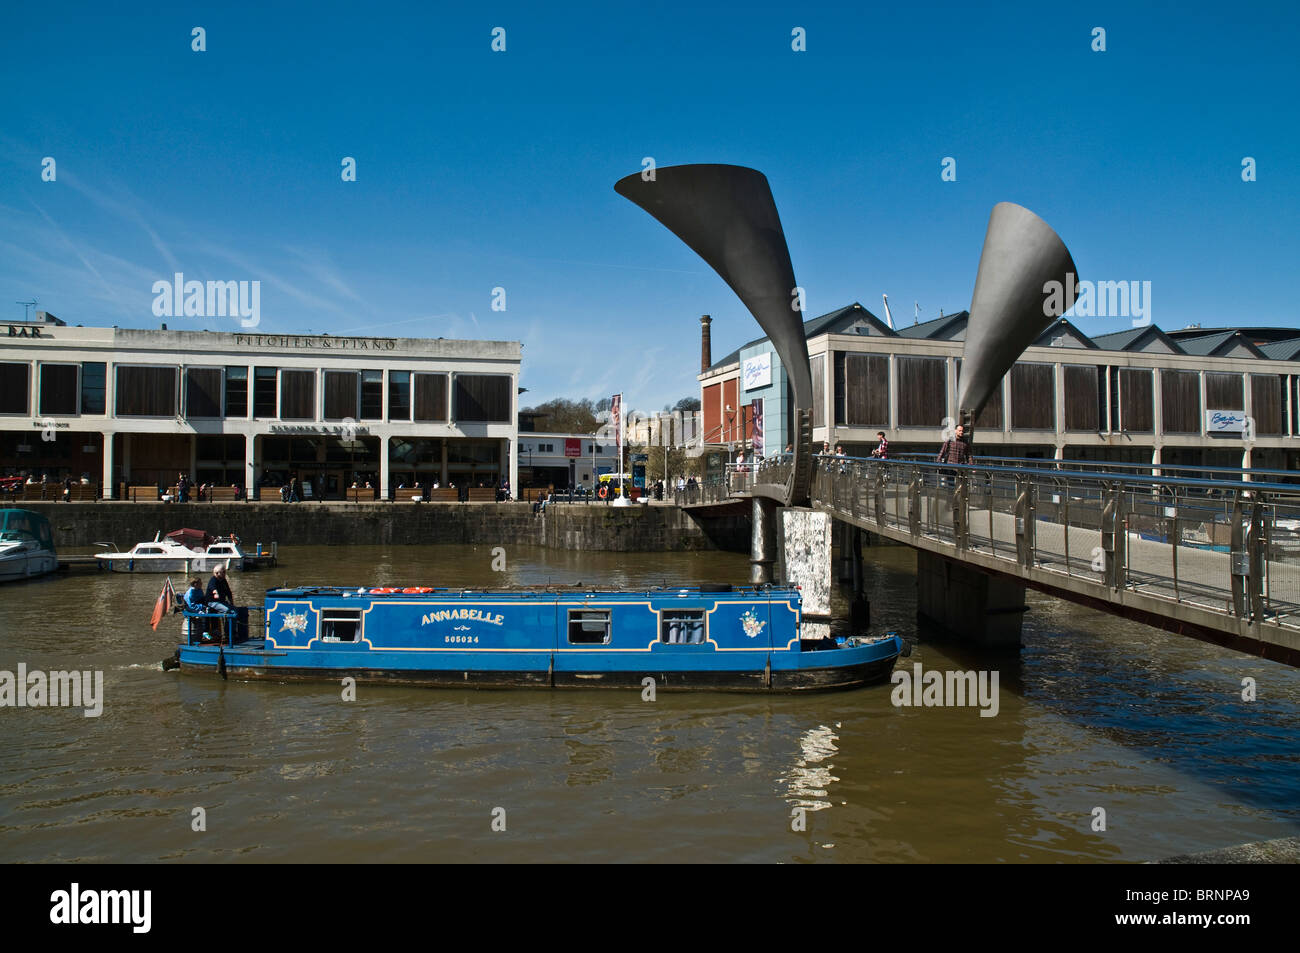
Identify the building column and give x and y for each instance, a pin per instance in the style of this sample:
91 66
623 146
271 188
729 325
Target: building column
384 441
512 448
107 491
443 481
250 465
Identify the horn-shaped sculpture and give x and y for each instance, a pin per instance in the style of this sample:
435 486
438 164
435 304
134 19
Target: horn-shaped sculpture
726 214
1011 305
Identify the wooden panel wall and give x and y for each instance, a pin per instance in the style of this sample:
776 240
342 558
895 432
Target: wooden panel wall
58 389
1266 404
1136 390
340 394
297 395
819 390
1033 397
1180 401
1224 392
483 398
1081 405
431 397
867 390
202 392
922 391
146 392
15 385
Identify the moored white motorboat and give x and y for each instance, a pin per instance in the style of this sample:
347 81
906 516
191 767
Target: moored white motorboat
26 545
184 551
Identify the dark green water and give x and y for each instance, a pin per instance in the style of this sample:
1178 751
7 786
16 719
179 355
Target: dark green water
1093 712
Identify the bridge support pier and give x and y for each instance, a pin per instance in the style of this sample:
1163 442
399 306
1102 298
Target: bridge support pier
970 604
859 607
804 551
762 544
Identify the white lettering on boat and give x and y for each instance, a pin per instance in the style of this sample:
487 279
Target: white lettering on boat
475 615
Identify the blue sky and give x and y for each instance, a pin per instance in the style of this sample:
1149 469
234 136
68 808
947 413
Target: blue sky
478 170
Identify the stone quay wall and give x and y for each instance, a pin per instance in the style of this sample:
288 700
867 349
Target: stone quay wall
590 527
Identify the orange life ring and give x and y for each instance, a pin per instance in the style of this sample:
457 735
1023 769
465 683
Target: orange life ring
419 589
385 589
603 492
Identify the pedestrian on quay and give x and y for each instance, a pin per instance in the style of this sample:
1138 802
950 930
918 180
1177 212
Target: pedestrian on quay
882 450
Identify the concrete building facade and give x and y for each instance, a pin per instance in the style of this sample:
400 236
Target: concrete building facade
1192 397
127 406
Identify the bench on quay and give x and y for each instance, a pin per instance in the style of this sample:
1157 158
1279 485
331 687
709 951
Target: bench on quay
482 494
407 494
360 494
146 493
222 494
530 494
444 494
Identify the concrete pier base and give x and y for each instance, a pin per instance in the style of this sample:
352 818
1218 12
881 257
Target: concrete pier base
970 604
803 547
762 547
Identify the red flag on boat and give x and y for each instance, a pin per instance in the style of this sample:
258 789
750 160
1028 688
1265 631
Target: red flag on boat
164 603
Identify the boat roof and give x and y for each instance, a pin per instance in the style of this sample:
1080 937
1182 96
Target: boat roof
191 537
14 520
526 592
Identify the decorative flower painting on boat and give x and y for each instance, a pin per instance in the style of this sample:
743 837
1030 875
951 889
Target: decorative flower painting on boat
750 623
295 622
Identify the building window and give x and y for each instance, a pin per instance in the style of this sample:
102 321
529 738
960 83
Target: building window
297 395
203 392
14 388
236 392
399 395
372 395
145 391
58 389
682 627
482 398
93 386
264 390
430 397
341 394
589 627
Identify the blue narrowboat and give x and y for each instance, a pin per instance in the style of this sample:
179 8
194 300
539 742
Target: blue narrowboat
715 637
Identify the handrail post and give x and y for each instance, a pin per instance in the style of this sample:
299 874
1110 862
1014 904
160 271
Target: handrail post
1025 515
961 512
879 491
914 503
1239 558
1255 556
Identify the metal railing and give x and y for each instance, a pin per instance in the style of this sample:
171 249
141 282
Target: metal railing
1230 548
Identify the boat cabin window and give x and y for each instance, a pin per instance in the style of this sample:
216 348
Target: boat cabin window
588 626
682 626
149 551
340 625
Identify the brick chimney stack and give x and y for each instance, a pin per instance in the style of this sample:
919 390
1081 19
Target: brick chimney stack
706 350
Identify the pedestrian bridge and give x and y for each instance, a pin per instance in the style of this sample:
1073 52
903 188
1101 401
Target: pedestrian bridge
1210 554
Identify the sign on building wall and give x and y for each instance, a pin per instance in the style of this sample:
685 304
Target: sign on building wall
757 415
757 371
1225 421
572 447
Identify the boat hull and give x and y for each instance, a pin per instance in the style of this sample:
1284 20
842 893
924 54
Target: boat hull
821 671
166 564
27 565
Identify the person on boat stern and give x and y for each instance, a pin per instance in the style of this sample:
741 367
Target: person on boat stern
220 598
194 598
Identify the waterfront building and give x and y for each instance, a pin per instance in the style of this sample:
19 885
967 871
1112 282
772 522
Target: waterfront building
1192 397
136 407
563 460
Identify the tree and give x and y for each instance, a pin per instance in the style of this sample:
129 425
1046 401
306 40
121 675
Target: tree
566 416
687 403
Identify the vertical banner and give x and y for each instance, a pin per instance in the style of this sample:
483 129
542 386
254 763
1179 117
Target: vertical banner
757 415
616 414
